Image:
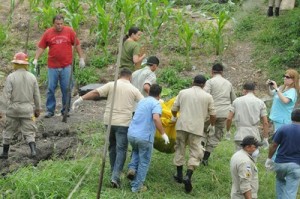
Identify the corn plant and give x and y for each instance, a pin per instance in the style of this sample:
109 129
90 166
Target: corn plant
45 14
102 29
217 31
157 12
125 11
186 33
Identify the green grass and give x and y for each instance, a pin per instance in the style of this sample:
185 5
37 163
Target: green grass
57 178
276 39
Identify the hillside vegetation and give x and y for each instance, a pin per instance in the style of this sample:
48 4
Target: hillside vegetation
188 41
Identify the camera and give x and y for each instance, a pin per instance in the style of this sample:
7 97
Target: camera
271 83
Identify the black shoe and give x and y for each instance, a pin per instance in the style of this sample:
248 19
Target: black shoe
187 184
48 115
4 154
177 179
270 12
33 149
276 12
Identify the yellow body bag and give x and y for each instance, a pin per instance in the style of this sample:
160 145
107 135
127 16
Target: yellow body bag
159 143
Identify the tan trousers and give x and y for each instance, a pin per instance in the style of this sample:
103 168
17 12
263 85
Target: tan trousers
196 150
213 141
277 3
13 125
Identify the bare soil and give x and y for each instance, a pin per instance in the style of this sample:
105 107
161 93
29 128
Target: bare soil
57 138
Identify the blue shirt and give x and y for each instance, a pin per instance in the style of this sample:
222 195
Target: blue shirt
281 112
142 125
288 137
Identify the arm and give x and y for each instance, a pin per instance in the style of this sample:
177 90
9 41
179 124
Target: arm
79 51
272 149
282 98
248 194
265 126
138 59
39 52
212 120
229 120
146 88
91 95
158 124
37 99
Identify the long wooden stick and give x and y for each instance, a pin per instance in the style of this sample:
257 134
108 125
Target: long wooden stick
110 114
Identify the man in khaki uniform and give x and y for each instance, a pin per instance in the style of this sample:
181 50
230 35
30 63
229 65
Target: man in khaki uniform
243 170
143 78
126 97
247 112
223 94
195 105
20 90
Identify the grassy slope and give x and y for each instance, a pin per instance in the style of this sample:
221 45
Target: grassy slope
57 178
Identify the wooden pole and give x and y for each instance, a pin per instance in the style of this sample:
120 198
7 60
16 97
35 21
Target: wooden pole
110 114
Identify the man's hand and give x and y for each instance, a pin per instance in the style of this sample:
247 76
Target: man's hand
269 164
228 135
75 105
265 143
211 130
81 63
35 62
37 113
173 119
166 138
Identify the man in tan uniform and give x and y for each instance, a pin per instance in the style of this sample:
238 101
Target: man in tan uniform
223 94
145 77
195 105
247 112
126 97
243 170
20 90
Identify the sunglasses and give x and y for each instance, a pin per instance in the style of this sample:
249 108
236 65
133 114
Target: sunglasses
288 77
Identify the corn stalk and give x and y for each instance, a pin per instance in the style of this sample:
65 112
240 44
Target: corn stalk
217 31
186 32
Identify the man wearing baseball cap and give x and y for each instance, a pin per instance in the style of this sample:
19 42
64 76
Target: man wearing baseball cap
20 90
243 170
143 78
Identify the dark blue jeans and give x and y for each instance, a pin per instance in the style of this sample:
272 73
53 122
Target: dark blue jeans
118 145
55 75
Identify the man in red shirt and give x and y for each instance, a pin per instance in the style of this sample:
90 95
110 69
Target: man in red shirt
60 39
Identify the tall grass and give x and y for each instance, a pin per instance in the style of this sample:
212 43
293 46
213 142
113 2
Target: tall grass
56 179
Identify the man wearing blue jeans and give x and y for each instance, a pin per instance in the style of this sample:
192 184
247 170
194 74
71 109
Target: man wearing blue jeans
60 39
141 137
287 161
126 97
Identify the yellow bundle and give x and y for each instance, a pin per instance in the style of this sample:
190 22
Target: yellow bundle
169 128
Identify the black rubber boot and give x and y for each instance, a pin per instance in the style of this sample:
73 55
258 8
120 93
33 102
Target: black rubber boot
205 158
276 11
4 154
32 148
187 181
270 12
178 177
